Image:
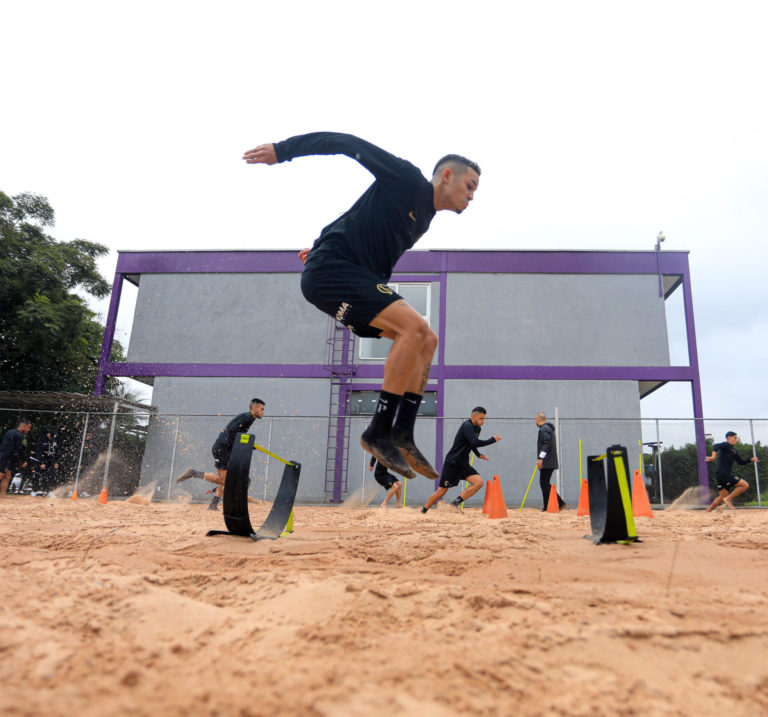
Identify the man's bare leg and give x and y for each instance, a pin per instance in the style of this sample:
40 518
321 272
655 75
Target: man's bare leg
5 481
394 490
475 484
406 368
718 501
439 493
740 487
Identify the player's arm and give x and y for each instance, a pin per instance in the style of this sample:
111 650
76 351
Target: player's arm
712 457
474 441
380 163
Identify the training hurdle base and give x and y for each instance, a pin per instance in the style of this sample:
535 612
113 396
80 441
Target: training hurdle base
235 502
610 499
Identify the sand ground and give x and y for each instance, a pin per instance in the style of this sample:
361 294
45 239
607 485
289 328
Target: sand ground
129 609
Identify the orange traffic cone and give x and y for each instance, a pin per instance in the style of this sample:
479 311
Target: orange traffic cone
552 505
487 499
640 503
103 496
583 499
74 494
497 508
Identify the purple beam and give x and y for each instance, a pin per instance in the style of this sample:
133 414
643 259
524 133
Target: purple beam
693 360
413 262
109 336
376 371
440 408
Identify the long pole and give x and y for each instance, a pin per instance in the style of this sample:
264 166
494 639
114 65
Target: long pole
658 463
173 456
581 468
82 447
266 470
559 479
109 447
757 470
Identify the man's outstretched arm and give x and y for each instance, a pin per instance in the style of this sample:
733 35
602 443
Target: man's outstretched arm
380 163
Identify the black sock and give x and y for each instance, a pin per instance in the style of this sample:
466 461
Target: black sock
406 414
197 474
381 423
458 501
424 509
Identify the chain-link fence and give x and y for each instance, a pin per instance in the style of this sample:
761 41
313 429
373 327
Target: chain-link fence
131 451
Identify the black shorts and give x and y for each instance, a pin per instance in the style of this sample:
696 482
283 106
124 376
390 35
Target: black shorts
8 463
220 456
452 475
727 482
384 479
348 292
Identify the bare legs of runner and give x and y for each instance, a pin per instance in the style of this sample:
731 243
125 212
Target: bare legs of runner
725 497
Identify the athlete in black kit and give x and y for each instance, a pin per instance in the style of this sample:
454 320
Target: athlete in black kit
387 481
347 270
11 453
456 467
728 486
222 449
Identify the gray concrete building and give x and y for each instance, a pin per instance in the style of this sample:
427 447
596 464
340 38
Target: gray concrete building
580 333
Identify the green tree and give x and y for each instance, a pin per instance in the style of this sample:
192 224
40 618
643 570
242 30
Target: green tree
50 339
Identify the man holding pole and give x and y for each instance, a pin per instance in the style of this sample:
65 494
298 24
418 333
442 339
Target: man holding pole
223 447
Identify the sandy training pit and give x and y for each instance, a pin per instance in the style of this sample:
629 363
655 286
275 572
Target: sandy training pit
128 609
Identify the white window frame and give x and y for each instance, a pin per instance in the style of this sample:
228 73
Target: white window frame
395 286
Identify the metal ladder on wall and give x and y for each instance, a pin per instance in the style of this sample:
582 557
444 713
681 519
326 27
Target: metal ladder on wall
339 362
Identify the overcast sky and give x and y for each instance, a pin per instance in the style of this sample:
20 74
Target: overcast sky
596 125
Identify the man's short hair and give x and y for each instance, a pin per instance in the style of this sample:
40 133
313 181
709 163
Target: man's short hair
541 415
479 409
255 401
729 434
454 160
23 422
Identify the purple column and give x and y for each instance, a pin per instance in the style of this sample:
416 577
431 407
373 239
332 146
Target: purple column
109 335
693 362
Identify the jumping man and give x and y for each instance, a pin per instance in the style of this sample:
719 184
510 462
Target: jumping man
387 481
222 449
347 270
456 467
729 486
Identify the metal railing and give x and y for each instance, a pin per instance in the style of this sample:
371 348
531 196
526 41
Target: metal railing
125 451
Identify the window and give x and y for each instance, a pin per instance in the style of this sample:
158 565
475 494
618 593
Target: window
418 296
363 403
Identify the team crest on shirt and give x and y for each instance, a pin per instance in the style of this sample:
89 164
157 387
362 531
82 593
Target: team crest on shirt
384 289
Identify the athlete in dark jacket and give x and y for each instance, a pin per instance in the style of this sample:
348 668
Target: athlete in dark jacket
223 447
12 453
728 486
387 481
546 452
347 270
456 467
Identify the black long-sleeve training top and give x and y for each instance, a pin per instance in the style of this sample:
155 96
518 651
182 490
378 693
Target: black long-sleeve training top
12 443
239 424
726 455
386 221
467 439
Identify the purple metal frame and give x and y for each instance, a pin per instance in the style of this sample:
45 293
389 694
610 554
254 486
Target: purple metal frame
432 266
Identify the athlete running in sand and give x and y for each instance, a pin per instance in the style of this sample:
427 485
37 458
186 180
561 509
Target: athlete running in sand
222 448
456 467
387 481
346 273
728 486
